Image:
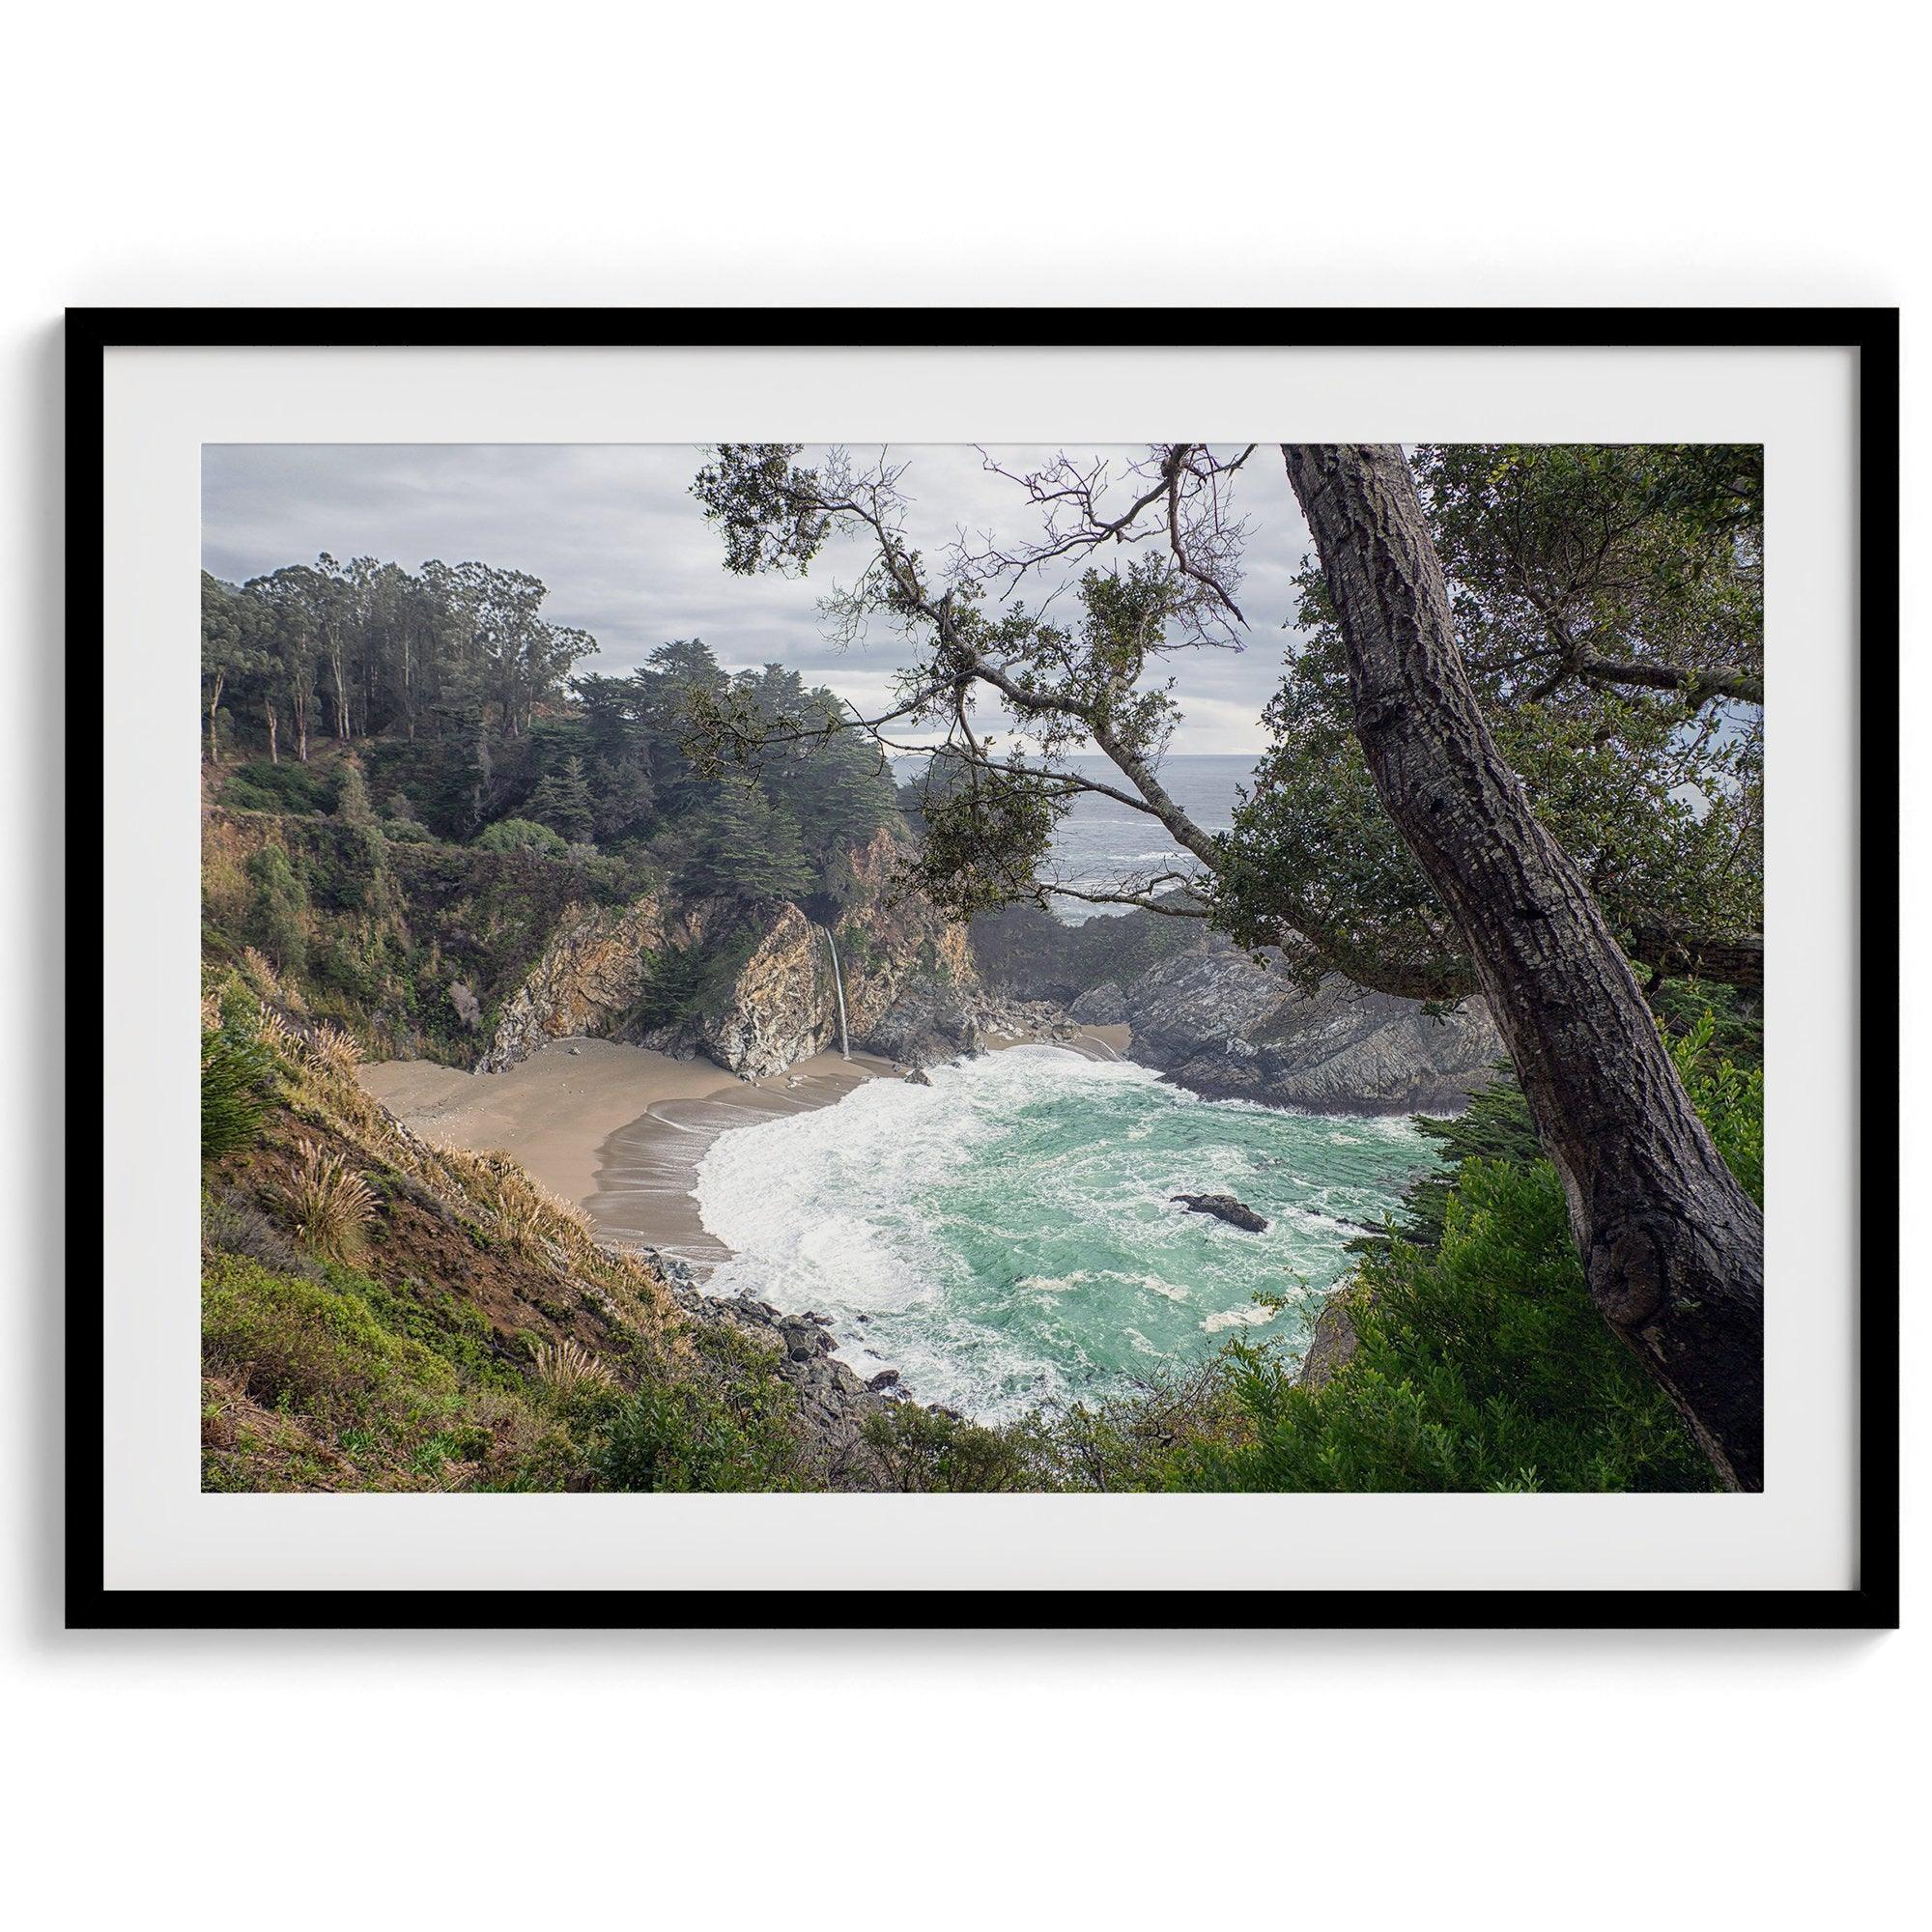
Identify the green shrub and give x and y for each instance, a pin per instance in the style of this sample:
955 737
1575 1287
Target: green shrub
1480 1364
234 1075
277 903
522 835
723 1422
302 1344
679 1436
922 1449
262 786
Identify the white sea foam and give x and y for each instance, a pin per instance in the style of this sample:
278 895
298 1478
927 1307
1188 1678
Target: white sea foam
1008 1232
1237 1317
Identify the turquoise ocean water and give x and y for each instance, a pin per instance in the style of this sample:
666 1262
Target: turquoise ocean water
1004 1237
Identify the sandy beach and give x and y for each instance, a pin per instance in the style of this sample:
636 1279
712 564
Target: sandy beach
620 1129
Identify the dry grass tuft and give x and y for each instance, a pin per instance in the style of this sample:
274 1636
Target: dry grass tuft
275 1031
331 1205
268 986
566 1366
335 1052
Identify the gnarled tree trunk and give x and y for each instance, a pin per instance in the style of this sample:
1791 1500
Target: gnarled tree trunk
1672 1247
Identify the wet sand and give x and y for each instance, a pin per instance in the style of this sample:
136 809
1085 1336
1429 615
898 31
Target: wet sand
621 1130
648 1166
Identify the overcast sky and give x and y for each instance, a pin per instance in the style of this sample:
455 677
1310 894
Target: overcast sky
613 531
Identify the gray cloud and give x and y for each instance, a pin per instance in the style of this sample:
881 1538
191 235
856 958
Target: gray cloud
613 531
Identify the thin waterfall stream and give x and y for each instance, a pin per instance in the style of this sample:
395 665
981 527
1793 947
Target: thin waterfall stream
838 982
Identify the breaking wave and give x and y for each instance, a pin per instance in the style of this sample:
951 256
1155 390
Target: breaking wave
1006 1237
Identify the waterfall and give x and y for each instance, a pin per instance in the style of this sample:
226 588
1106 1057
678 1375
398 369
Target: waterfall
837 980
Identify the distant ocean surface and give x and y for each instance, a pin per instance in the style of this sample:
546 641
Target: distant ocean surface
1100 843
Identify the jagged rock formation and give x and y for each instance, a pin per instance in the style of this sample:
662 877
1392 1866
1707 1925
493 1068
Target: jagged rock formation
1102 1006
934 1021
1334 1338
782 1006
587 982
1216 1022
931 1021
1224 1207
834 1403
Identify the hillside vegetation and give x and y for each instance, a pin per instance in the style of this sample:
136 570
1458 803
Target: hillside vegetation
379 1313
403 873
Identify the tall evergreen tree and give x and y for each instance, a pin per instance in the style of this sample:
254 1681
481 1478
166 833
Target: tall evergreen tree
746 849
562 802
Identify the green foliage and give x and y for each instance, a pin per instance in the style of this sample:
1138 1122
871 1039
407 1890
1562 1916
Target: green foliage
234 1081
1729 1098
1495 1125
840 793
1481 1364
1583 579
763 505
986 834
521 835
674 988
562 800
302 1343
925 1449
276 909
288 787
1734 1019
746 849
351 797
677 1438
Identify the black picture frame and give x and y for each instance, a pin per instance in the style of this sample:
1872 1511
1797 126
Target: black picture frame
1872 332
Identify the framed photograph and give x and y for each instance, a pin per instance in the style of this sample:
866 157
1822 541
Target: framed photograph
778 968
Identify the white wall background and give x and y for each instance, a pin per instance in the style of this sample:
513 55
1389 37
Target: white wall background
846 153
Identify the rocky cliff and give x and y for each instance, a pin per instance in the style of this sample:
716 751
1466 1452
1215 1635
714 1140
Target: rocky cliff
762 992
1226 1027
589 978
782 1007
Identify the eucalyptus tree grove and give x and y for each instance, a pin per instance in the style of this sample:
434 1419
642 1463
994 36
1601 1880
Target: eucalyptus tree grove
366 648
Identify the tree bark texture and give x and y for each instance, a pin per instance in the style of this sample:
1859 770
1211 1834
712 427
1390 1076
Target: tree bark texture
1672 1247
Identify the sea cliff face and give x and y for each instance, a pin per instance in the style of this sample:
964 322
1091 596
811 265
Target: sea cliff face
1230 1029
589 978
782 1007
776 1008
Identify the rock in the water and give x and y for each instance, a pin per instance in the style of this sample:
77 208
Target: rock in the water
1238 1214
1216 1022
886 1379
918 1077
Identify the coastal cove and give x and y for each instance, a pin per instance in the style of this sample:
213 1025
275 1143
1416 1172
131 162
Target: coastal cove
999 1233
640 1079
